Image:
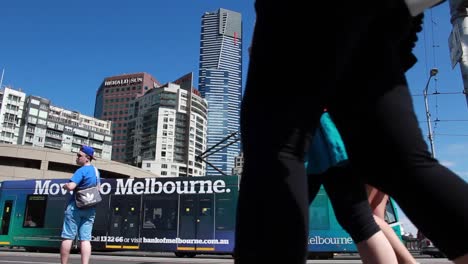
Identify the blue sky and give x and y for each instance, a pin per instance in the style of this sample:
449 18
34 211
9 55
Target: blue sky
450 106
62 51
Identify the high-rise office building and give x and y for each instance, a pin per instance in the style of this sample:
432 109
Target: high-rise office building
220 82
167 130
112 103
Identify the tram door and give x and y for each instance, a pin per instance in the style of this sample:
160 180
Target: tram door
6 219
124 221
196 221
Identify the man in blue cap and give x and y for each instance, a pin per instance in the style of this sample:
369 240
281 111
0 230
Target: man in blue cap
78 221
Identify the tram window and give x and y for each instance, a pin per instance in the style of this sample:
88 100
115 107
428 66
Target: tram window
35 211
152 216
319 212
390 216
170 220
224 214
55 204
160 214
149 223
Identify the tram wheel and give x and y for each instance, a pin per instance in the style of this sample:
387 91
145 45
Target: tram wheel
179 254
31 249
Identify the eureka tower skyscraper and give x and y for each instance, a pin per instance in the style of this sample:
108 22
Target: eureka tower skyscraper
220 83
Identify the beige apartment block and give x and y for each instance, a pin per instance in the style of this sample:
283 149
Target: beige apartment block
18 162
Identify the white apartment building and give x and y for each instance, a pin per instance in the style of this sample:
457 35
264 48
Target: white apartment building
168 129
11 111
47 126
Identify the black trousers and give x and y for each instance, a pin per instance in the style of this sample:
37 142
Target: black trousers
366 94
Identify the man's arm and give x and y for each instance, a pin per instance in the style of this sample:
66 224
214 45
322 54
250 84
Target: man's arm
69 186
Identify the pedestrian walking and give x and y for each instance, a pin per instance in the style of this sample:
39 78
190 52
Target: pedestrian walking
366 94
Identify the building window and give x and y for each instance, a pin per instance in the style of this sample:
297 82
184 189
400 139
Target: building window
35 211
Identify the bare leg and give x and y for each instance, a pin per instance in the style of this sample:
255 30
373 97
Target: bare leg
65 250
85 251
350 203
378 201
402 253
376 249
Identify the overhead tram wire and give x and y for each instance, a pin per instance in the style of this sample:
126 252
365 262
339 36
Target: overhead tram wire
430 47
437 93
452 135
452 120
223 143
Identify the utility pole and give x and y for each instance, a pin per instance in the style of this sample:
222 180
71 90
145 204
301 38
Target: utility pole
433 72
458 40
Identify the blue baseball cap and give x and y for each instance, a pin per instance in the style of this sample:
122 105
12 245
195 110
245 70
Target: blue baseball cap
88 151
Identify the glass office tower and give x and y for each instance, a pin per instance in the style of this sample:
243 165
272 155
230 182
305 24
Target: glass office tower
220 83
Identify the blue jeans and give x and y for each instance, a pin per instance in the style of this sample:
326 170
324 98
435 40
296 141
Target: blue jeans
78 222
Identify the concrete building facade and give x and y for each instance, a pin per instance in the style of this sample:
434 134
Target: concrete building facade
48 126
34 121
168 129
19 162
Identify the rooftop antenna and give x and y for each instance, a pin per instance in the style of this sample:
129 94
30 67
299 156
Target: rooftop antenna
1 79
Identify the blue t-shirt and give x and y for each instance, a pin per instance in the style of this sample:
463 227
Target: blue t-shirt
326 149
85 177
